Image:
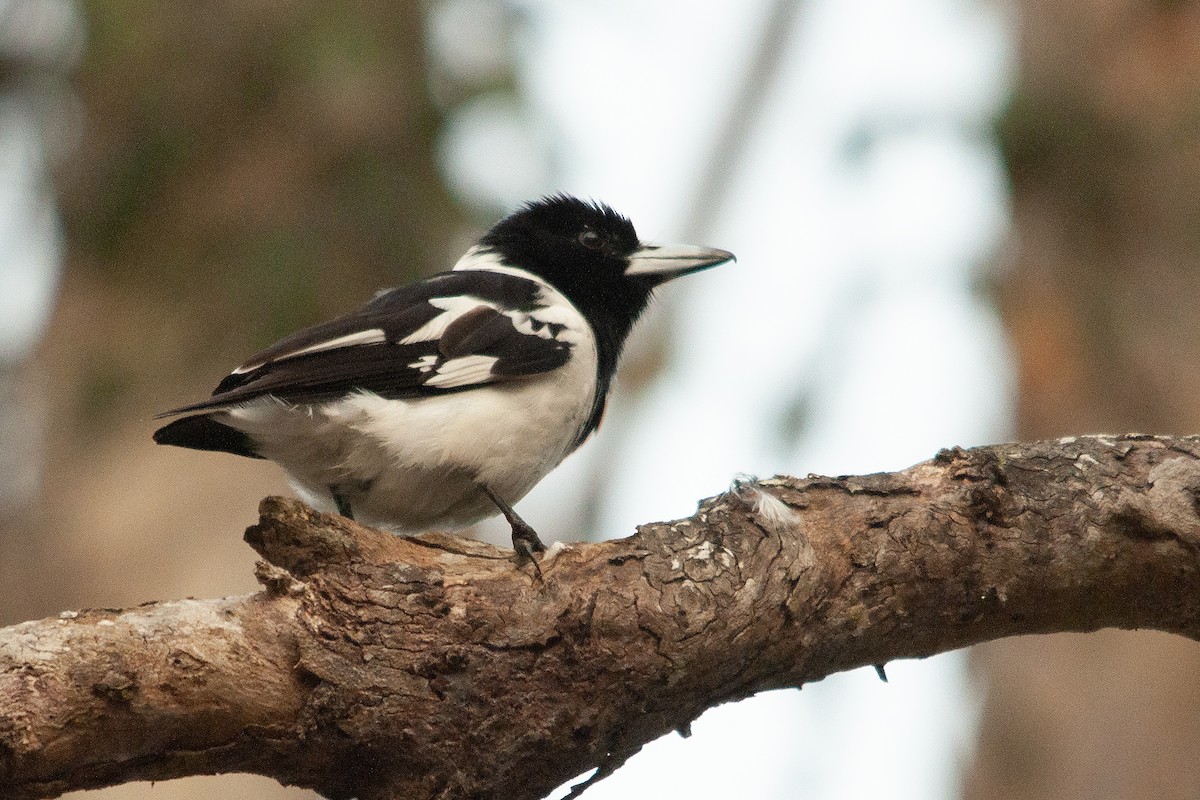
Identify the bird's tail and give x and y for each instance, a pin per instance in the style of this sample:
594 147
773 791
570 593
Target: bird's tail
202 432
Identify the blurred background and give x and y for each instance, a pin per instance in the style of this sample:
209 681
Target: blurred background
957 222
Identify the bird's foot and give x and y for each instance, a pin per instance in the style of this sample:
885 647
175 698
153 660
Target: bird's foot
525 540
525 547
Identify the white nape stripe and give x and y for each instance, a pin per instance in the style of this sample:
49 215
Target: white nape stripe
479 258
452 309
372 336
463 372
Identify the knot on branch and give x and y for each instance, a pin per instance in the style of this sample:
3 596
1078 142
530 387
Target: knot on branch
298 539
298 542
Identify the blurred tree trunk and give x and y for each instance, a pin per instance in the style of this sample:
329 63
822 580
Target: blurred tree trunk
243 169
1103 141
241 172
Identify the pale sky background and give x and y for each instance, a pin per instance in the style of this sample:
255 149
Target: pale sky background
865 207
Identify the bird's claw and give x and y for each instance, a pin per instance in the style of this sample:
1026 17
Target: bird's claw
526 542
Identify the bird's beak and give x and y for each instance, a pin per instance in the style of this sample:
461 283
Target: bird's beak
667 261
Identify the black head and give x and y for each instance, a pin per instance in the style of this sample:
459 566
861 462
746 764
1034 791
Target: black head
580 248
592 255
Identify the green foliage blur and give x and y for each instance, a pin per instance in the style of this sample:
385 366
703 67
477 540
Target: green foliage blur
252 167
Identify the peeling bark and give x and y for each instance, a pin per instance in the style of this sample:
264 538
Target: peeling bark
433 667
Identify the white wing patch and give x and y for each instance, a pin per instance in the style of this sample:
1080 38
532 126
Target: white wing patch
424 364
556 319
452 309
463 372
372 336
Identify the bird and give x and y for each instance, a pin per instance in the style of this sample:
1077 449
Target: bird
444 402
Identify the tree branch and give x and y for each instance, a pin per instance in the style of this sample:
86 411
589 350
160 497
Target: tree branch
433 667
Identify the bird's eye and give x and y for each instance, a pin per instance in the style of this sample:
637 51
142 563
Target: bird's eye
591 240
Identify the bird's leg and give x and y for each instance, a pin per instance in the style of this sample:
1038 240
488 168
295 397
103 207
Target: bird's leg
342 502
524 538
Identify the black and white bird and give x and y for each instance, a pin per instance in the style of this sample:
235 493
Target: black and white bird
441 403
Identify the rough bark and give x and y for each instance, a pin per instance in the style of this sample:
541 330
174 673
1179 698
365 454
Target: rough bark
433 667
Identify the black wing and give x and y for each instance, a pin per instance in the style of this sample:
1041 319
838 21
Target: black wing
451 332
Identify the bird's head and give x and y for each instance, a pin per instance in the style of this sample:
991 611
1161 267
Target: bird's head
592 254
